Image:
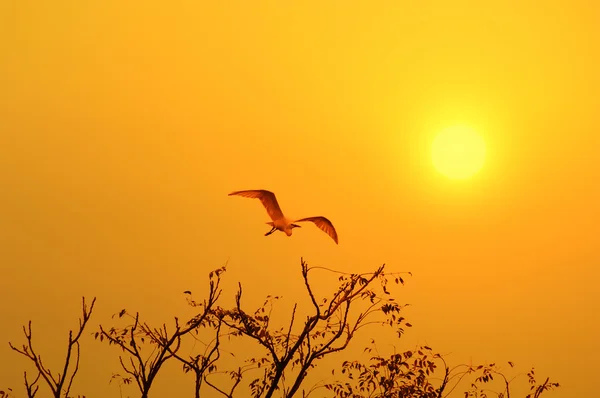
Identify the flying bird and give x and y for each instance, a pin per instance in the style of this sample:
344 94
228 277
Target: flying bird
280 222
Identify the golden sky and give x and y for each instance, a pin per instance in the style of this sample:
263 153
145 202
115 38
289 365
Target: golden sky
124 125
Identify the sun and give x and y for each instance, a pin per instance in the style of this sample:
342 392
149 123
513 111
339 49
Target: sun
458 152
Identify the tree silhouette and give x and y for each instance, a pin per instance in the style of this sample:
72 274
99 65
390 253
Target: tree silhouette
410 375
289 353
59 384
133 338
327 330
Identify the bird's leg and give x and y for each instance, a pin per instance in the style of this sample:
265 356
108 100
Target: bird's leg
271 231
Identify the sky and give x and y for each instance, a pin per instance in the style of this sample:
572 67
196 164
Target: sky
124 125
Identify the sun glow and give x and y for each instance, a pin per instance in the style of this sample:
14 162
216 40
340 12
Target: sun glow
458 152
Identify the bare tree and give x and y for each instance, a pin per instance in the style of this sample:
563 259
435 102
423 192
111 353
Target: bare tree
59 384
329 329
164 345
203 363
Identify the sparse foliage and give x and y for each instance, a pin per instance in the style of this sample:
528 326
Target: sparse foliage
122 381
329 329
138 338
288 353
478 389
399 375
413 374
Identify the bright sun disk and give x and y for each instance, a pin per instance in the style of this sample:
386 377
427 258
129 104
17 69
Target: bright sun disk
458 152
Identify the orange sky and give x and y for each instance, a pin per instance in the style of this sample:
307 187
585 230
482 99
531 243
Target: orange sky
124 125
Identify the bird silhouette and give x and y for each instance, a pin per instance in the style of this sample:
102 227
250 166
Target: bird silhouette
280 222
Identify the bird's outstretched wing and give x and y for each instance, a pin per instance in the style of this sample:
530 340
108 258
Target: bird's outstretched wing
324 224
267 198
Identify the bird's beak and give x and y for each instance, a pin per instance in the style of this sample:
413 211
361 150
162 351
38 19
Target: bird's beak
296 226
